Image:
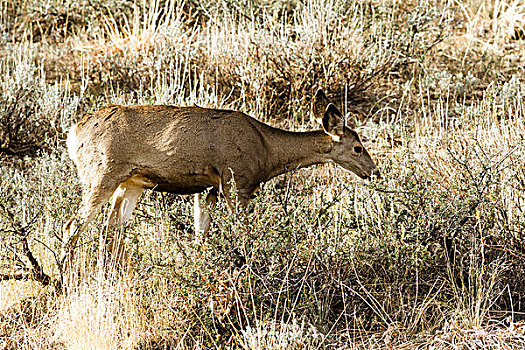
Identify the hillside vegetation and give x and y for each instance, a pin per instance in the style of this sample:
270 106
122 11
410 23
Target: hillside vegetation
429 256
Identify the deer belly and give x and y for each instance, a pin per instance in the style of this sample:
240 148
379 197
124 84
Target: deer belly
188 183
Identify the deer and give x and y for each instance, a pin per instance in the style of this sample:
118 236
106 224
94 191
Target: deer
120 151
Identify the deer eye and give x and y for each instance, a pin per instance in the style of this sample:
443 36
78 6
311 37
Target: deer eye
358 149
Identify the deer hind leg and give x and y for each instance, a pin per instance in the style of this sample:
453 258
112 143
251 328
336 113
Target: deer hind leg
201 215
92 199
124 202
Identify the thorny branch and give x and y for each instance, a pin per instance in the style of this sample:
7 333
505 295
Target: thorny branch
35 270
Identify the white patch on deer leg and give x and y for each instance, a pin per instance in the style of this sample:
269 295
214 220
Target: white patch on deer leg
129 202
201 218
124 201
116 202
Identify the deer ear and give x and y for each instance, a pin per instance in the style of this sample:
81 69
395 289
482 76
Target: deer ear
333 122
319 105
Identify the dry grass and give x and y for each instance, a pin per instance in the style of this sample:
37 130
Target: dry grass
493 23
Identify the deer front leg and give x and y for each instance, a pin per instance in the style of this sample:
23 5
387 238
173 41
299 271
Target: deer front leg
238 204
201 213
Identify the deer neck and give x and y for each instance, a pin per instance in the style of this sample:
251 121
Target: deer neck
293 150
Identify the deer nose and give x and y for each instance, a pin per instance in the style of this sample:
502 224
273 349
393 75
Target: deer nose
375 172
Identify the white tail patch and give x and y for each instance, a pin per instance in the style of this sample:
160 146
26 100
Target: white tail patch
72 144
